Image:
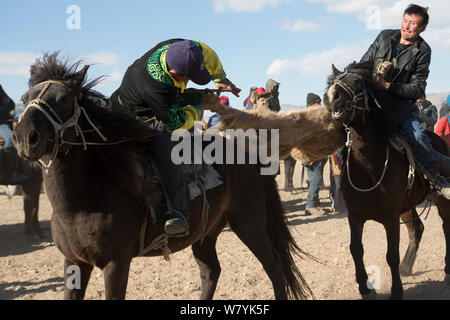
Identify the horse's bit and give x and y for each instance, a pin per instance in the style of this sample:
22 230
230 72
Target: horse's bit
59 125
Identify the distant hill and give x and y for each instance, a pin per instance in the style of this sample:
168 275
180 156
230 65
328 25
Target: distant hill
437 98
290 108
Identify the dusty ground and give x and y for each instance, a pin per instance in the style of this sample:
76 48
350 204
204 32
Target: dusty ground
33 269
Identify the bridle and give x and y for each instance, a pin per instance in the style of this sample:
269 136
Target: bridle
363 96
58 124
353 104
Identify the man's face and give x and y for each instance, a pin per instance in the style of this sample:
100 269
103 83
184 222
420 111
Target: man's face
411 27
262 102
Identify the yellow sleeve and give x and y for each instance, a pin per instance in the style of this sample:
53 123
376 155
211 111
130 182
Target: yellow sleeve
212 63
192 114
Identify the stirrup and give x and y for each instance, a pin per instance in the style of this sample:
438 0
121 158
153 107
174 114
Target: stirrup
175 224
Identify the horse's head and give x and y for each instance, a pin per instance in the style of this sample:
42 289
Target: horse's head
347 96
50 107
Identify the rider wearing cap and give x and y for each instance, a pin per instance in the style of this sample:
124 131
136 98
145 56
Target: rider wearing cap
154 85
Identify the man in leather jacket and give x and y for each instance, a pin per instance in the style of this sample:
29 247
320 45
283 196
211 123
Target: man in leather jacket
411 57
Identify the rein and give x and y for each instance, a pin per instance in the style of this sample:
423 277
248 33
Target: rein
349 148
59 125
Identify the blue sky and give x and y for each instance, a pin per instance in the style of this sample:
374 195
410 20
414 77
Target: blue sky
292 41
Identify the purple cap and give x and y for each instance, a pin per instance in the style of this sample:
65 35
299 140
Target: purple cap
186 58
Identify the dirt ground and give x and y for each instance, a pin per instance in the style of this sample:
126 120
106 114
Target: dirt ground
32 269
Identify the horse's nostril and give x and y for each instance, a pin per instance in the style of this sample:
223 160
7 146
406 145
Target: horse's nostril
33 137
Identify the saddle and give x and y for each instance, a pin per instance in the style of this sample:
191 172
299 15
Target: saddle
400 144
198 179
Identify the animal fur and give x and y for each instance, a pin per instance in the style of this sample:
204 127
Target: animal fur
307 135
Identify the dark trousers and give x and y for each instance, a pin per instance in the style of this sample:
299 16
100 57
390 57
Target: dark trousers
315 173
172 176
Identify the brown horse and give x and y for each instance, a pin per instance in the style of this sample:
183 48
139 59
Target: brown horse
31 188
375 177
97 216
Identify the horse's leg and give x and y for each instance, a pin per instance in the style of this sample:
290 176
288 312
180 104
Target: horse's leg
357 251
444 211
415 230
255 237
206 256
31 191
115 274
71 280
393 257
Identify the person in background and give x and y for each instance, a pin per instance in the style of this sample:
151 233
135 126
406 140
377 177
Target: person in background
443 125
445 108
6 106
314 171
248 104
428 113
336 165
273 87
14 170
260 99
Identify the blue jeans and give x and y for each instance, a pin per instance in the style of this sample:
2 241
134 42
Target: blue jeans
420 142
6 133
315 174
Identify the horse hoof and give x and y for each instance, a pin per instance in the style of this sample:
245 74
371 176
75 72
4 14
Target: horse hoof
405 271
447 279
372 295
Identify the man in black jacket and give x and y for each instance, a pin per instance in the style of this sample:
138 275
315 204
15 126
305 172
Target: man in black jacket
411 57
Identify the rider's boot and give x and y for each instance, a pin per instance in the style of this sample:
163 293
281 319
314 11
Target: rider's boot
439 175
443 179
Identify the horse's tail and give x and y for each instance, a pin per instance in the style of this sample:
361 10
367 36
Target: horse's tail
284 245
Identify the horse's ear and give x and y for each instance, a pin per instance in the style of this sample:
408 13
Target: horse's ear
335 70
77 80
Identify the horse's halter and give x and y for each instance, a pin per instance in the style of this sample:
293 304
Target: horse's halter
59 125
353 104
355 97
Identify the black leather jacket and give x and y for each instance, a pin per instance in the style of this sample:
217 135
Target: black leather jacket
409 78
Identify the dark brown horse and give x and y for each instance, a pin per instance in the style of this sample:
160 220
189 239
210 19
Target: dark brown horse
375 178
97 216
31 188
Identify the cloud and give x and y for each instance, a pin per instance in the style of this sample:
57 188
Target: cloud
382 14
319 63
300 26
251 6
103 58
16 63
115 76
280 66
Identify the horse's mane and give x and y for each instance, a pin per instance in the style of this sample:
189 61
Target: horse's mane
117 125
379 117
